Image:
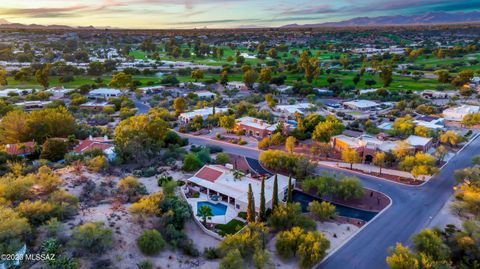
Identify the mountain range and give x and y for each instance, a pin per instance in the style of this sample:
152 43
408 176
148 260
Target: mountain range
425 18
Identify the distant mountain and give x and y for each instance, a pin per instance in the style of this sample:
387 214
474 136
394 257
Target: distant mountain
426 18
3 21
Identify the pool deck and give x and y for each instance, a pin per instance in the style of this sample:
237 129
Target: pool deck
221 219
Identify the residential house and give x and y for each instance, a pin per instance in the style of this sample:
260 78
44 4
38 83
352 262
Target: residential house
257 127
21 149
102 143
96 105
32 105
420 143
457 113
105 93
430 122
186 117
291 110
362 105
217 180
59 92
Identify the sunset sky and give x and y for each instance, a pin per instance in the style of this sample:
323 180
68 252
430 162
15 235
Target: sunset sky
212 13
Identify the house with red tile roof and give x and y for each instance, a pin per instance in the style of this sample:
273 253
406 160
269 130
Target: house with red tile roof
102 143
21 149
231 187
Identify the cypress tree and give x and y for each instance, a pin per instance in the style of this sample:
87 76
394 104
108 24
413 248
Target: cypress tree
251 205
275 192
262 213
289 190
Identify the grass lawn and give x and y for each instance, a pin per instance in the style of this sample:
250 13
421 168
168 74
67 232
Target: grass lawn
231 227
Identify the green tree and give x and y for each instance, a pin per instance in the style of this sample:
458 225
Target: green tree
289 190
42 75
180 105
54 149
92 237
310 66
251 205
430 242
227 122
3 76
13 230
131 187
265 75
205 212
250 77
222 158
233 260
386 75
262 212
323 211
150 242
275 192
121 80
139 138
191 162
197 74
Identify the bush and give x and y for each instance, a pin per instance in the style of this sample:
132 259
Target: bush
150 242
222 158
92 237
54 149
242 142
214 148
146 264
162 179
211 253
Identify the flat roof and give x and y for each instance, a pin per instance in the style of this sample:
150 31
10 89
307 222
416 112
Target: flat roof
221 179
361 103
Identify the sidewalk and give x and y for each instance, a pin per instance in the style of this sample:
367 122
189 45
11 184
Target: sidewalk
369 169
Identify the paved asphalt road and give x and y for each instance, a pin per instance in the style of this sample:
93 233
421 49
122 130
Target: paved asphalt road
412 209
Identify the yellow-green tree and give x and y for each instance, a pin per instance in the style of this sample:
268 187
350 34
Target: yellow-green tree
290 144
121 80
310 66
379 160
180 105
351 156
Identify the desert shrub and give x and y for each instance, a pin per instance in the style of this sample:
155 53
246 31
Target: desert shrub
150 242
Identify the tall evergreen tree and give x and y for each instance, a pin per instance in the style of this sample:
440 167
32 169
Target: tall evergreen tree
251 205
275 192
289 190
262 213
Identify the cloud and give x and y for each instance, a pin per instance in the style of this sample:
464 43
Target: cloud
213 21
43 12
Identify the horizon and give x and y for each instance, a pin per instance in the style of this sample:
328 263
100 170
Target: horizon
213 14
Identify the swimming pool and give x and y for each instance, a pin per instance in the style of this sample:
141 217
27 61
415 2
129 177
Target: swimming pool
304 199
217 209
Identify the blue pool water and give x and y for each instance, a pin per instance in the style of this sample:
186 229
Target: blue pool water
217 209
345 211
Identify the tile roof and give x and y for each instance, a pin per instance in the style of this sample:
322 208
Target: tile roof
209 174
21 148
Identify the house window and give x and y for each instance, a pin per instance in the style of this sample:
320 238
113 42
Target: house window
237 206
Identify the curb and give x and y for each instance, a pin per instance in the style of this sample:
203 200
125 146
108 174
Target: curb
355 233
367 175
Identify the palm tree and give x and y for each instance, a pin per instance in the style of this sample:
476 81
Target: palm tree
205 212
237 174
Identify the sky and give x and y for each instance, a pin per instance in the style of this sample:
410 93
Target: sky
166 14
